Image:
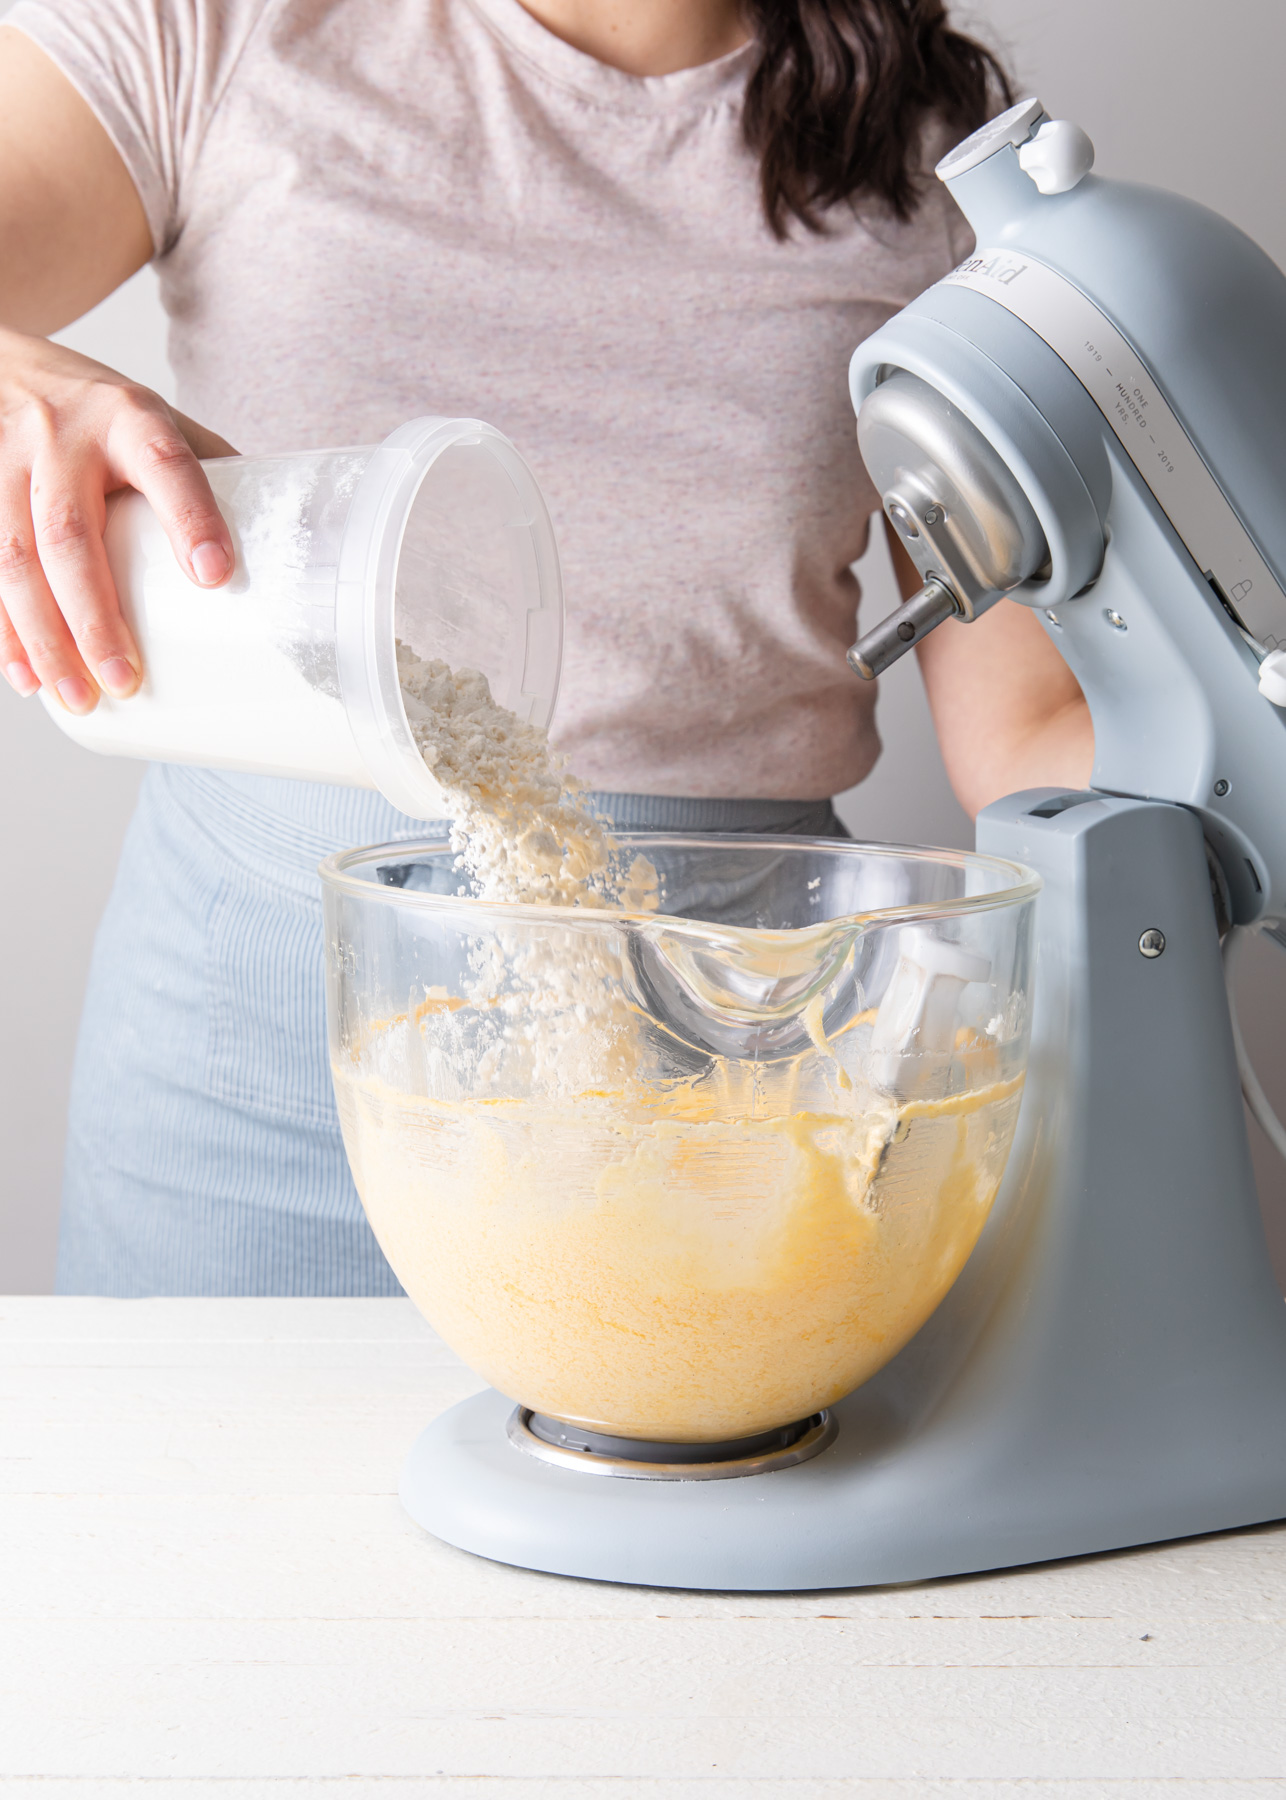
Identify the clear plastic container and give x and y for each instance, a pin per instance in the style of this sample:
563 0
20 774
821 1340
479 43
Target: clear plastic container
438 537
691 1175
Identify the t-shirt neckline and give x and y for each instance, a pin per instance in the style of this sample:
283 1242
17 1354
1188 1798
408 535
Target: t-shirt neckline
597 81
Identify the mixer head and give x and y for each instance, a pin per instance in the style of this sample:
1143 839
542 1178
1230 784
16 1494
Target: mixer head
963 519
1088 417
1211 306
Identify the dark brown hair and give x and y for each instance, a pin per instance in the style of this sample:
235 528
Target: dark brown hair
835 105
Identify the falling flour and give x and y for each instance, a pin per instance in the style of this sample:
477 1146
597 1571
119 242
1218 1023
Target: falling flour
520 823
524 833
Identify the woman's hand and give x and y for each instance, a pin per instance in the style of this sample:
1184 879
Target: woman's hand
1008 711
71 432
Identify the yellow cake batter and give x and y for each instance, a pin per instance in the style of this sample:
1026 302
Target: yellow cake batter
653 1266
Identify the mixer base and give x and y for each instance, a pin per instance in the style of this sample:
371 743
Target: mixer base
857 1515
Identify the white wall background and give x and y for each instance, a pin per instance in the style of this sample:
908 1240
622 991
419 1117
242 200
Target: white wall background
1184 93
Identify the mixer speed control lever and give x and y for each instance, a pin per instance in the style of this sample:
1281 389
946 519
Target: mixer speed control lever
903 629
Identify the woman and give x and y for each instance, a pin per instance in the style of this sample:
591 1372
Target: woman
640 237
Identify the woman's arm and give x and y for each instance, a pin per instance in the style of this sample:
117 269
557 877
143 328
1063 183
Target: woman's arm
72 228
71 222
1008 711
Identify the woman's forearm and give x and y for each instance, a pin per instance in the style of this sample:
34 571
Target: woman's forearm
1008 711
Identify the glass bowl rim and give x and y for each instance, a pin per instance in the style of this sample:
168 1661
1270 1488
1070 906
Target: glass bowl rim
335 874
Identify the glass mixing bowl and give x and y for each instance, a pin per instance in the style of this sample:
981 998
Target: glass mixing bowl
692 1174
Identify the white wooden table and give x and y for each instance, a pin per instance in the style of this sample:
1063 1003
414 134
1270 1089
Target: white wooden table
208 1587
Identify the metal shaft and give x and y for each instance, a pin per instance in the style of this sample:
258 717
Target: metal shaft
894 636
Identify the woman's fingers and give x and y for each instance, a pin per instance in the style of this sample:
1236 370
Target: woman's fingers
71 433
46 643
68 512
147 451
13 660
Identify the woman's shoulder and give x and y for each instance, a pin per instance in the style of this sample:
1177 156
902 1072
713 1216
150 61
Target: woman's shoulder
181 33
162 60
153 72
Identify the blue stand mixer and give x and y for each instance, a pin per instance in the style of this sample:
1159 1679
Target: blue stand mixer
1089 417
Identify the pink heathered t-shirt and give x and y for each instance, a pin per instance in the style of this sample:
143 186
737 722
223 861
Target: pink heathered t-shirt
366 210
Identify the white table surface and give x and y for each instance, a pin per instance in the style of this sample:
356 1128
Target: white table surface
208 1587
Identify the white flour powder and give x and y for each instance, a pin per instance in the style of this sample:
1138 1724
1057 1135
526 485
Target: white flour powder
521 828
519 821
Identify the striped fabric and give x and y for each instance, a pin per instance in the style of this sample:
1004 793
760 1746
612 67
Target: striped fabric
204 1154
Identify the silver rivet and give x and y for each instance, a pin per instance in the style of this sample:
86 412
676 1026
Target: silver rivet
1115 620
933 515
903 520
1152 943
1222 787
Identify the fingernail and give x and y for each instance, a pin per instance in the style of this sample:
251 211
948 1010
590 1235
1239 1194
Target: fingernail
21 679
76 695
210 564
117 676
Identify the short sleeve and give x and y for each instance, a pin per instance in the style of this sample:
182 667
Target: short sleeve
153 73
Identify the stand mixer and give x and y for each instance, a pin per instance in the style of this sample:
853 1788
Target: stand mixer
1089 417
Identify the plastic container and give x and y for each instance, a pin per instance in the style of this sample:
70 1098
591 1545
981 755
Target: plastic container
693 1175
438 537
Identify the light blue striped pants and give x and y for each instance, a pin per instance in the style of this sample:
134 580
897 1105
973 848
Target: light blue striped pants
204 1154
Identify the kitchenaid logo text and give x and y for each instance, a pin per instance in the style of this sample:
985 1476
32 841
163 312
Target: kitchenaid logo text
992 266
